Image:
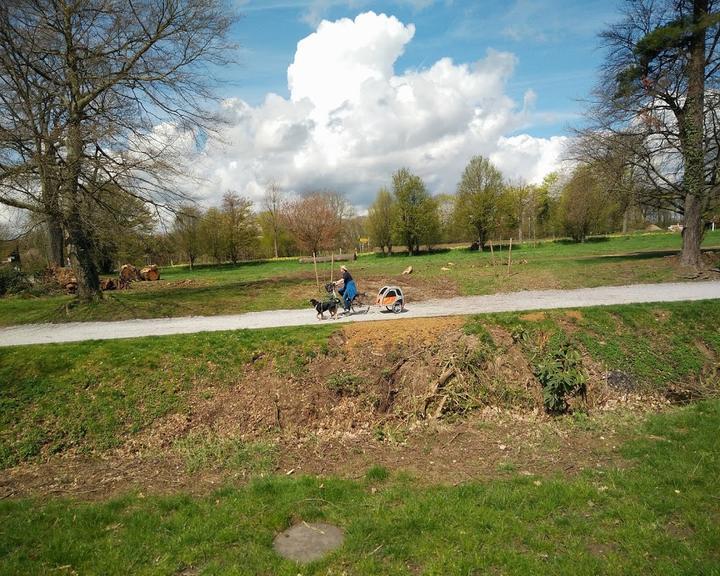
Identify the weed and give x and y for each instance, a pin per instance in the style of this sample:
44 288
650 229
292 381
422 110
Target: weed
520 334
582 421
344 384
390 434
205 450
507 467
377 474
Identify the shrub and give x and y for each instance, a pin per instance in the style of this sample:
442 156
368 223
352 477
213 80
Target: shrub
560 374
12 281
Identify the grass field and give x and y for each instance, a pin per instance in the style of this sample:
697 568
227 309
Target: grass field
660 515
211 290
644 502
652 509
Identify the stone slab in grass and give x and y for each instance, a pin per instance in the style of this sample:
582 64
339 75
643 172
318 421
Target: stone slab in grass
306 542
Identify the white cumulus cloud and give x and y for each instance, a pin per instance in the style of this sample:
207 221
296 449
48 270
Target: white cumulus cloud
352 119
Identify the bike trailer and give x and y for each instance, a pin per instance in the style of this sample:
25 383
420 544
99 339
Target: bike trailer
392 298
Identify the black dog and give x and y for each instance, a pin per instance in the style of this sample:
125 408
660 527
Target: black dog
322 307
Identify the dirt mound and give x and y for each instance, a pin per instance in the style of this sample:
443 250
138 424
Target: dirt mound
438 398
372 380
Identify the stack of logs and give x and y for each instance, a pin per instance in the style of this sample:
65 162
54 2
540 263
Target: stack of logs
67 280
65 277
128 274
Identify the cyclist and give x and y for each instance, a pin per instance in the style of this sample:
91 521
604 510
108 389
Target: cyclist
348 290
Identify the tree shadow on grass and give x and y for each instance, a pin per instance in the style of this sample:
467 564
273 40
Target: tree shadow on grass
630 256
588 240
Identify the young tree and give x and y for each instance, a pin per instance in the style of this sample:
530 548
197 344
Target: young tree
212 240
313 221
478 198
186 232
272 234
660 89
547 198
272 204
239 226
584 206
415 219
380 220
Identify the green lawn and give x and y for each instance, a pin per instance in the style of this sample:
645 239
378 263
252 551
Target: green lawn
210 290
90 396
659 515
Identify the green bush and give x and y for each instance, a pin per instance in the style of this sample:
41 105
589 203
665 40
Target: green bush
561 374
12 281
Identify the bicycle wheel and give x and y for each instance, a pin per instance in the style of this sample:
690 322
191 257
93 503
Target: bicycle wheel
358 304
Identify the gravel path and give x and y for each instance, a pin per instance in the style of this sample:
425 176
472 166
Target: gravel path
526 300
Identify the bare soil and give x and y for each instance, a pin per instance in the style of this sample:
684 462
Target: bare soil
419 396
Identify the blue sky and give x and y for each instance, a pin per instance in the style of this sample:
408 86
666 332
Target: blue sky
448 79
556 43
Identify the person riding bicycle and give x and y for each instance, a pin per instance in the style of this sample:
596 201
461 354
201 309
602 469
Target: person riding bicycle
348 290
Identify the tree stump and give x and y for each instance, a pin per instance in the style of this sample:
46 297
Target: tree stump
108 284
128 273
150 273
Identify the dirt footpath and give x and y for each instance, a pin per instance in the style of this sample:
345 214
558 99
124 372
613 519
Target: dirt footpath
516 301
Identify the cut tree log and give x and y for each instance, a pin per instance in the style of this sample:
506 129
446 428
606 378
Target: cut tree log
150 273
408 270
128 273
108 284
65 277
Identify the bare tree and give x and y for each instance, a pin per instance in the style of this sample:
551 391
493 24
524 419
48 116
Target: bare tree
272 204
116 88
613 159
313 221
659 89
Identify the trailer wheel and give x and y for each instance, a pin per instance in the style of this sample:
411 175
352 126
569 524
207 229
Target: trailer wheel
397 307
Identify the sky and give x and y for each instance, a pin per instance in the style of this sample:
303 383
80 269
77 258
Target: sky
339 94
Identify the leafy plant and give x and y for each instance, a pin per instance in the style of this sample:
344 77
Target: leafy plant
520 334
561 374
344 384
12 281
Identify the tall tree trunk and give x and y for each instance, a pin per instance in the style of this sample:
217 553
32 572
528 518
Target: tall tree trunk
57 241
692 234
79 229
50 191
83 255
625 220
692 131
